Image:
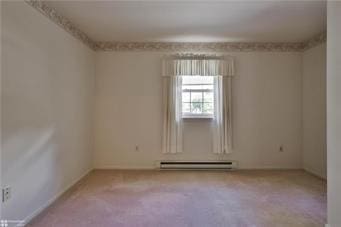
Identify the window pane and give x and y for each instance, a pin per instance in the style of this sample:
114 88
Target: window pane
196 96
186 108
208 96
186 97
196 107
208 108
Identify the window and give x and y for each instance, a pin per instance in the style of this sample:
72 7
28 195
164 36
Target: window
197 96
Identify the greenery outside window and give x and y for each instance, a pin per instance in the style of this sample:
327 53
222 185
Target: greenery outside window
197 96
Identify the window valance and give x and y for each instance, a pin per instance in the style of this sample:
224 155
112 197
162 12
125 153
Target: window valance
198 66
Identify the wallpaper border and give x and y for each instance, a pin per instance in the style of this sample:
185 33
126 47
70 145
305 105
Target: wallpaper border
315 41
210 47
63 22
67 25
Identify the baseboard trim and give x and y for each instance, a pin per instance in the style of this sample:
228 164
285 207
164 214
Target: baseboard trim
41 209
314 174
154 167
269 168
125 167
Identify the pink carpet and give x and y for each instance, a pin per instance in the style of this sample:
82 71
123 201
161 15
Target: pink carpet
191 198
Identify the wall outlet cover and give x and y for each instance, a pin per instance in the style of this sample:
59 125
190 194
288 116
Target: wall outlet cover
6 194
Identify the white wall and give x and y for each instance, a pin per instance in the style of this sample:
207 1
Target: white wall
0 104
47 102
334 112
314 143
266 112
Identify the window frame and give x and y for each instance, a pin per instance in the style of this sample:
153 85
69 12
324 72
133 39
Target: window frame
202 91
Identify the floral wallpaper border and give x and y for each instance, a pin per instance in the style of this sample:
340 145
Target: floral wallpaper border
53 15
211 47
316 40
214 47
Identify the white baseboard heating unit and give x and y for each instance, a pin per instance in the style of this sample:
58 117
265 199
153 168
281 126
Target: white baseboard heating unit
198 164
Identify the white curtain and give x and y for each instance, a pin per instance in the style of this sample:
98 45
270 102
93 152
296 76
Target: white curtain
222 120
198 67
172 139
222 69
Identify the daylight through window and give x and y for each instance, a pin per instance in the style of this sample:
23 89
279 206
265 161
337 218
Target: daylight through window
197 96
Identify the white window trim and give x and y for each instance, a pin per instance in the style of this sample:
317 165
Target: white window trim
198 90
197 116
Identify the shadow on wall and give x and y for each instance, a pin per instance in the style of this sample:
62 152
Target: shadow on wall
30 170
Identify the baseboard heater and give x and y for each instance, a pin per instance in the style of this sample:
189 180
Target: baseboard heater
198 165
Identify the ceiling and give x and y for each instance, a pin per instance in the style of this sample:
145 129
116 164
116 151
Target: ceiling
190 21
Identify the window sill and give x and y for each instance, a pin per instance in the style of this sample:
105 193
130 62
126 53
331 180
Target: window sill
197 117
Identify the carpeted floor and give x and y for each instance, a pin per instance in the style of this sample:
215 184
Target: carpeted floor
191 198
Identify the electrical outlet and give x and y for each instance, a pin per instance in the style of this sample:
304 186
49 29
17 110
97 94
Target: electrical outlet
6 194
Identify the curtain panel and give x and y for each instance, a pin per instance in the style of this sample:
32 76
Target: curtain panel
172 139
222 119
